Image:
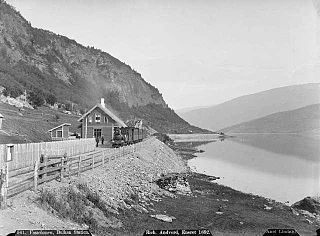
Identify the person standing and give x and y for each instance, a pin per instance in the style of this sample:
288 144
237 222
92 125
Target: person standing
97 141
102 139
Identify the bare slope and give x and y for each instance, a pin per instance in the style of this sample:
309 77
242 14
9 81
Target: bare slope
305 119
254 106
32 125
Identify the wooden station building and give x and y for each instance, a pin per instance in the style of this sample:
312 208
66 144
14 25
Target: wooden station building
99 121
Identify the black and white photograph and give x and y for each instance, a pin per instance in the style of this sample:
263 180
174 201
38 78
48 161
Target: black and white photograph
160 117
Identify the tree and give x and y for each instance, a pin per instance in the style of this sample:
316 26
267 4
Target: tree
51 99
12 92
36 98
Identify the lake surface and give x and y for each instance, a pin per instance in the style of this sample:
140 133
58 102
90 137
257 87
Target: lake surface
278 166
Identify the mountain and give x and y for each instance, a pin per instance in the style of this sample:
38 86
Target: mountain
302 120
55 69
187 109
253 106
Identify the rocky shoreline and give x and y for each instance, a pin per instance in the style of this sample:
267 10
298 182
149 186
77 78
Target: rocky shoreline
155 189
308 208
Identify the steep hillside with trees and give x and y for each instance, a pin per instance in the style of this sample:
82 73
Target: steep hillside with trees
55 69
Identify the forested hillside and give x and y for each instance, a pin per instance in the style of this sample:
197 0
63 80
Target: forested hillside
54 69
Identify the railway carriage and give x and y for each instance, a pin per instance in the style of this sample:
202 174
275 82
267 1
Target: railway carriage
127 135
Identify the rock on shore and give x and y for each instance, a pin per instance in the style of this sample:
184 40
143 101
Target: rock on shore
308 204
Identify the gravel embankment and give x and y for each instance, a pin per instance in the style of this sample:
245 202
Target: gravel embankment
134 174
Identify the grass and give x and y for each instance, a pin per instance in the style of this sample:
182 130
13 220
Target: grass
79 204
72 206
32 125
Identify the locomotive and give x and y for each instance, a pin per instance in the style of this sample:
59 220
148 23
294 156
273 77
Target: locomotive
127 135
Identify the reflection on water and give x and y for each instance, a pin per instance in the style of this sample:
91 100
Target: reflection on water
306 147
275 166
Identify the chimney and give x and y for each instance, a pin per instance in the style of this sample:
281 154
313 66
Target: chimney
102 102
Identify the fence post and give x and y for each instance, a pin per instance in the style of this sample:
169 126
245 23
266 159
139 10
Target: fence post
61 170
7 180
66 158
93 161
3 188
79 166
45 160
35 176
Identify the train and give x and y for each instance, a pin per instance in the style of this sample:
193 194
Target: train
127 136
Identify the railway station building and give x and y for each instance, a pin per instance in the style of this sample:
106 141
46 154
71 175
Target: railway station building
99 121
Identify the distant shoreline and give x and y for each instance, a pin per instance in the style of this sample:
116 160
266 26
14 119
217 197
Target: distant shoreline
197 137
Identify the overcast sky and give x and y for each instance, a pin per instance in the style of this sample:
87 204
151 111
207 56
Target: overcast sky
199 52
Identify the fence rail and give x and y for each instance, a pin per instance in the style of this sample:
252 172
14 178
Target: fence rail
49 167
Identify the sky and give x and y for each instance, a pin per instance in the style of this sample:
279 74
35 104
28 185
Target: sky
197 53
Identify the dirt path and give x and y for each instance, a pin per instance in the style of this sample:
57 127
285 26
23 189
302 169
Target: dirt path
24 213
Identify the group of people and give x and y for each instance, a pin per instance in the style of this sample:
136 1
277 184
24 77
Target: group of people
98 140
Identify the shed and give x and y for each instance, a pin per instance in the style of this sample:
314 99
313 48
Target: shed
60 132
99 121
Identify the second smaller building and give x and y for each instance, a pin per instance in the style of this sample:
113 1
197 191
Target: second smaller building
60 132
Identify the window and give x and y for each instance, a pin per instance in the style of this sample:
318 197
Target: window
97 133
9 152
90 119
106 119
59 133
98 118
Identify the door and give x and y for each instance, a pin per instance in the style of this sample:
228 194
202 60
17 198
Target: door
97 133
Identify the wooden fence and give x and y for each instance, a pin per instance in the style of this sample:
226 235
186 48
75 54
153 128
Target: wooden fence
50 167
24 155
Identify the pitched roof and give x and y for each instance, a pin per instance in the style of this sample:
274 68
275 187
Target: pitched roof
65 124
108 112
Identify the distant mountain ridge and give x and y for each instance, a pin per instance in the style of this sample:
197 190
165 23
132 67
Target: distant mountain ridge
301 120
53 67
253 106
187 109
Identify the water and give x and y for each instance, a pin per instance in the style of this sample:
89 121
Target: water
277 166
